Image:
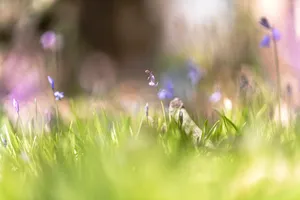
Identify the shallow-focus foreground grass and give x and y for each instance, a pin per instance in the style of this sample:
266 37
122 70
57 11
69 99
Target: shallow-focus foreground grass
120 157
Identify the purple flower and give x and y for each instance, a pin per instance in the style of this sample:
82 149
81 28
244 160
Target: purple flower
168 84
266 41
164 94
58 95
194 73
215 97
276 34
151 79
16 105
51 41
51 81
167 91
265 23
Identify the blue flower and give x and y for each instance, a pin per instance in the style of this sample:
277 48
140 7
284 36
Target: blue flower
265 23
215 97
164 94
51 41
58 95
151 79
168 84
51 81
273 33
16 105
167 92
266 41
276 34
194 73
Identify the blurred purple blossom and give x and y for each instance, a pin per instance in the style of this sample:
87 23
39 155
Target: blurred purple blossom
273 33
276 34
151 79
16 105
266 41
164 94
51 41
58 95
168 84
51 81
194 74
265 23
215 97
167 91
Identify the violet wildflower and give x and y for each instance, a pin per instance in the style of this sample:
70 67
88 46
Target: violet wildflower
276 34
167 92
164 94
58 95
151 78
51 41
16 105
265 23
266 41
194 73
51 81
215 97
273 33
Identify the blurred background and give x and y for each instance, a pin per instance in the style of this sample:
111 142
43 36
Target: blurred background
103 47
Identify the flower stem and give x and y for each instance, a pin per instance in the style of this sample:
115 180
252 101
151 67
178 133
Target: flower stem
57 115
277 77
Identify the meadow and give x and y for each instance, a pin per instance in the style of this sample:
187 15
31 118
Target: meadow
151 155
111 156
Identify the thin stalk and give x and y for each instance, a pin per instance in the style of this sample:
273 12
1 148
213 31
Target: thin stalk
277 76
163 110
57 114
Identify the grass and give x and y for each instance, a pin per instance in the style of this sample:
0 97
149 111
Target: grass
120 157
